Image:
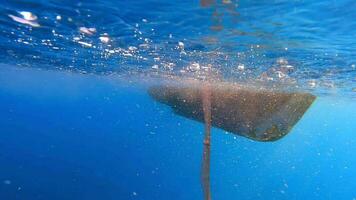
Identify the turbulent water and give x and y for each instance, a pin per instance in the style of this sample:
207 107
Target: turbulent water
76 121
307 43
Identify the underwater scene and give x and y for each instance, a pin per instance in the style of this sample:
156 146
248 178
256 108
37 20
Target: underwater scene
181 99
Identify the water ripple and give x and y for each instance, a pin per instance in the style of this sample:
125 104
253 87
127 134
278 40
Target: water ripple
160 37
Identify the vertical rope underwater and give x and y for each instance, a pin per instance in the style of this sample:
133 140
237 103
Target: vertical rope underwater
206 98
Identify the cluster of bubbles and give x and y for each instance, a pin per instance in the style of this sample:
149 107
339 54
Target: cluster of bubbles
100 45
170 55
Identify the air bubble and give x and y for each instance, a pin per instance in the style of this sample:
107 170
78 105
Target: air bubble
28 15
282 61
7 182
88 31
104 38
181 45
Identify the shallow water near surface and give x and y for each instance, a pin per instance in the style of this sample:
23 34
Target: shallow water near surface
307 43
77 121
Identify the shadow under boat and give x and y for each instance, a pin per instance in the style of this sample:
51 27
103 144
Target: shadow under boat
258 114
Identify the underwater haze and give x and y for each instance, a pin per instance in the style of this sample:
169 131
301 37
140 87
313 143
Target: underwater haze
77 120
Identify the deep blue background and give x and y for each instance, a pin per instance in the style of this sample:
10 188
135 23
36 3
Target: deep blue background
72 136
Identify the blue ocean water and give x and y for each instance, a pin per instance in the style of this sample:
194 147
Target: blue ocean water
76 121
